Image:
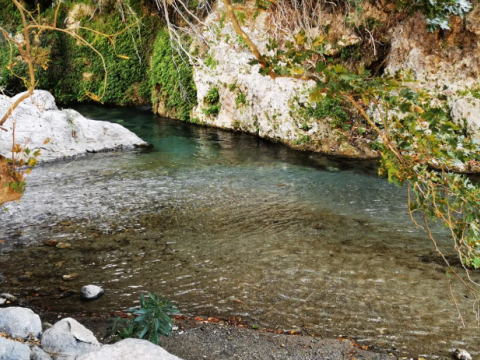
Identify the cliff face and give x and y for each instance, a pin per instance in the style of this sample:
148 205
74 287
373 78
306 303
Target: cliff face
446 62
274 109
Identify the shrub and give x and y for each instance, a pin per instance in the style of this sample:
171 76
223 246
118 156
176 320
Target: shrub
149 322
213 99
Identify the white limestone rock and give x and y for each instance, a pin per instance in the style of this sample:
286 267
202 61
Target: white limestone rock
38 354
13 350
91 292
467 109
70 134
130 349
20 322
69 338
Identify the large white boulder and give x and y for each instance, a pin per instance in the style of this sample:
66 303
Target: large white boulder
69 134
13 350
20 322
130 349
69 338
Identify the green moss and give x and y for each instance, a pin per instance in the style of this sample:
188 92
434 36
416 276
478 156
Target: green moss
213 100
174 78
326 108
352 52
241 41
210 62
241 16
241 99
302 139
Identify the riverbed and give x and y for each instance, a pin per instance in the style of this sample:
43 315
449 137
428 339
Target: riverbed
229 225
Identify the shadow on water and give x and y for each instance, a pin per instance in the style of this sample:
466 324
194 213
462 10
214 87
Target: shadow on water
227 224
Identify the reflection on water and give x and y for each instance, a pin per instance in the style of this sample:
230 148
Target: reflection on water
229 225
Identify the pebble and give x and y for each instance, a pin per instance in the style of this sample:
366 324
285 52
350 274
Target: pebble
51 242
70 277
63 245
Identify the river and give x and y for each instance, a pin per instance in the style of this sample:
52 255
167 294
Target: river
230 225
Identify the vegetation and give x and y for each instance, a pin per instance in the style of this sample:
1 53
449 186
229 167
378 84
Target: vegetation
174 78
150 321
72 69
241 99
326 108
212 99
437 13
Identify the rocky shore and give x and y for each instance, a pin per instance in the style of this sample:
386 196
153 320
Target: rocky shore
24 336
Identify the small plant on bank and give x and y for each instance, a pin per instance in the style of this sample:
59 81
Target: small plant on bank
213 100
211 62
150 321
241 99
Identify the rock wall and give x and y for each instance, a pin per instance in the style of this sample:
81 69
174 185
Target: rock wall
257 104
445 61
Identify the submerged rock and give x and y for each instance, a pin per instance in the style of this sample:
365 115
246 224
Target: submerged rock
20 322
13 350
461 354
69 338
130 349
9 298
59 133
91 292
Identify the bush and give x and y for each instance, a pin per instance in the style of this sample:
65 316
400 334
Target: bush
149 322
213 99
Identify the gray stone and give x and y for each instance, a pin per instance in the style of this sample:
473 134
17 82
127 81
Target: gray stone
20 322
8 297
68 132
462 354
46 325
13 350
91 292
69 338
130 349
38 354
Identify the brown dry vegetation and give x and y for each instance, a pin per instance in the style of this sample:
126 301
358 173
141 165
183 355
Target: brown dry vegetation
6 193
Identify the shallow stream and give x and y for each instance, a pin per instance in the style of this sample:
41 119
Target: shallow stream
228 225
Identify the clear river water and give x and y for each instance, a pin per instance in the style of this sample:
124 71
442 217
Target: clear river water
229 225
